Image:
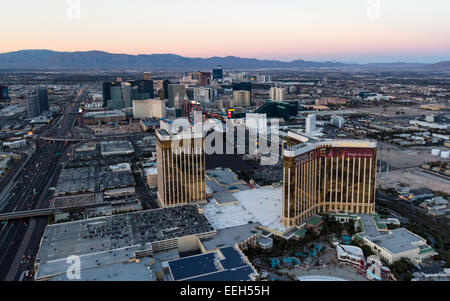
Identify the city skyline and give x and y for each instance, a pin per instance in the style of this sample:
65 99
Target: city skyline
357 31
244 141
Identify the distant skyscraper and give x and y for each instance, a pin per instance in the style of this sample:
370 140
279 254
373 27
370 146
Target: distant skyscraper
166 88
145 88
237 77
42 94
310 123
116 102
202 78
277 94
174 91
190 93
106 91
181 169
33 105
202 94
116 92
262 78
327 176
217 73
241 98
134 93
127 94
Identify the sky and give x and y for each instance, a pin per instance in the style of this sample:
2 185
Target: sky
361 31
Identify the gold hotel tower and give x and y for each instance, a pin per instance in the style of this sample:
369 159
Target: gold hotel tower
180 167
327 175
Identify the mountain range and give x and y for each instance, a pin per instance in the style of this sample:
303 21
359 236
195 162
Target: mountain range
54 60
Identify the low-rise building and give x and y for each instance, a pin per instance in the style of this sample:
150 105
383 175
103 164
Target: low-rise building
105 241
15 144
122 147
120 167
151 175
393 245
351 255
103 117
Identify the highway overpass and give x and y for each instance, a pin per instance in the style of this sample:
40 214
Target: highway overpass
45 212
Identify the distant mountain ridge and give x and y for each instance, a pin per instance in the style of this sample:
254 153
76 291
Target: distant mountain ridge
36 59
445 65
49 59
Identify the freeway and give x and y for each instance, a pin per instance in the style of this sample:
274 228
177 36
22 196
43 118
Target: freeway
63 139
9 180
80 139
13 170
47 211
27 213
30 191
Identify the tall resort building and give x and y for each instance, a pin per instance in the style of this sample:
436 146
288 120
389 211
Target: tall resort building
175 90
106 91
42 94
277 94
180 167
217 73
327 175
33 105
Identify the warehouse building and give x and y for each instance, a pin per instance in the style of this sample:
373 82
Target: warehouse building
116 147
120 238
104 117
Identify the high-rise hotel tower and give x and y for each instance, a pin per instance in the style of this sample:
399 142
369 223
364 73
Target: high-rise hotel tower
327 175
180 167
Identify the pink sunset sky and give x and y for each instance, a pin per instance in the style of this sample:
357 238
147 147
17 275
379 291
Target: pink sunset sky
349 31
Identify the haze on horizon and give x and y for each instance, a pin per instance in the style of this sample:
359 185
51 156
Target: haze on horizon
361 31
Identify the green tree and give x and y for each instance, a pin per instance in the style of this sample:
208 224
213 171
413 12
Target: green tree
402 269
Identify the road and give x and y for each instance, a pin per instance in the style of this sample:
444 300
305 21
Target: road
147 196
45 211
13 170
30 191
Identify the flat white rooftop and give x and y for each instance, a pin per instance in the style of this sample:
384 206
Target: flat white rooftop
151 171
265 205
261 206
226 216
121 271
